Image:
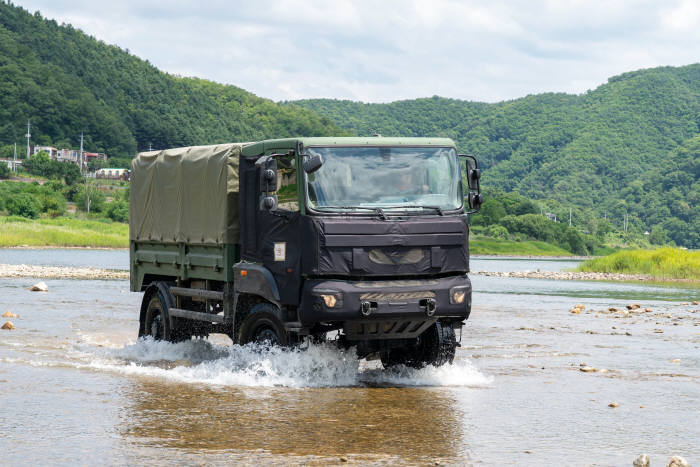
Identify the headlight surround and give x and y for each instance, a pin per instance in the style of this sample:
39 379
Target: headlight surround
331 298
458 295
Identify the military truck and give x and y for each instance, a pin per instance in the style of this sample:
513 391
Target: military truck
359 240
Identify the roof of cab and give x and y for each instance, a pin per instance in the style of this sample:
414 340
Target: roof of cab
261 147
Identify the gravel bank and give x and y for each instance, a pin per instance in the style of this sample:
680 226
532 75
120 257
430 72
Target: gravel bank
57 272
579 276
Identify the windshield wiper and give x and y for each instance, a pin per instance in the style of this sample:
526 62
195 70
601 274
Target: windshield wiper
438 209
379 211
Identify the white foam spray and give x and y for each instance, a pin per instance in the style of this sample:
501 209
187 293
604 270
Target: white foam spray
315 365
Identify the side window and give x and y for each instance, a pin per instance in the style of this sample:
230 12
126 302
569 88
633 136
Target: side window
287 198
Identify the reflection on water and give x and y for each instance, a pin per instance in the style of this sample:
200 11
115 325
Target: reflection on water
411 424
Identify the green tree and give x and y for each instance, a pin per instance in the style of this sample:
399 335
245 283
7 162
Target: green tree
23 204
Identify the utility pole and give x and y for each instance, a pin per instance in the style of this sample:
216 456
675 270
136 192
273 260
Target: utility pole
29 135
14 160
80 157
625 223
569 217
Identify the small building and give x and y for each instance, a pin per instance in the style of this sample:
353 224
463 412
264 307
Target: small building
91 156
51 151
112 174
11 163
68 155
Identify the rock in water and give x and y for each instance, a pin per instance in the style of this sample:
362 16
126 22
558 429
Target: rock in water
613 404
9 314
8 326
39 287
678 461
641 461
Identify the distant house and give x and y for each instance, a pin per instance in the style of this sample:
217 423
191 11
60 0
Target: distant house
91 156
68 155
51 151
113 174
10 162
551 216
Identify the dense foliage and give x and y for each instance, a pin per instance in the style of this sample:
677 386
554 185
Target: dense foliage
40 164
67 82
31 199
626 149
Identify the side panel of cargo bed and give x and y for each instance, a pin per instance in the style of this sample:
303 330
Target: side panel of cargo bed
172 261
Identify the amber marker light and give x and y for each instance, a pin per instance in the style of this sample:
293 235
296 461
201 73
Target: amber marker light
244 272
329 300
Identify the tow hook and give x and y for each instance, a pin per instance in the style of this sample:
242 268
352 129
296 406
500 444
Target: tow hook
430 306
365 308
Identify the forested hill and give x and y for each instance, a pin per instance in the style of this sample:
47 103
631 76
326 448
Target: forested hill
67 82
626 146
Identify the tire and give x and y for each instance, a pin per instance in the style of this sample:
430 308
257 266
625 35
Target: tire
436 346
262 325
155 320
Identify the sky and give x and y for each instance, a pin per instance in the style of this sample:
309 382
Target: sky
387 50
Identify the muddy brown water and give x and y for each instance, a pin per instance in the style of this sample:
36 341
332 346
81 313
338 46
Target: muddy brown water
77 387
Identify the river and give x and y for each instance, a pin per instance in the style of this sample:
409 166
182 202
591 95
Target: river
77 387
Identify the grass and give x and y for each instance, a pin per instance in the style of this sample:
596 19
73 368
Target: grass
62 232
492 246
671 263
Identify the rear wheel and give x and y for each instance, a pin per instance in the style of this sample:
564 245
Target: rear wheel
262 325
155 320
436 346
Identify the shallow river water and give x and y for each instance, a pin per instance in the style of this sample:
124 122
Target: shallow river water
77 387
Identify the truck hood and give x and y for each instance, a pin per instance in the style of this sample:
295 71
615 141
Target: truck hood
372 247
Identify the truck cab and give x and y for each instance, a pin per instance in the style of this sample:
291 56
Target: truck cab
363 240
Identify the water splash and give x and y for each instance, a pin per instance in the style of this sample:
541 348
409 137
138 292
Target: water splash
316 365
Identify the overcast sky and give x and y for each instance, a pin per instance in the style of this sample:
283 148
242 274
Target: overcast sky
382 50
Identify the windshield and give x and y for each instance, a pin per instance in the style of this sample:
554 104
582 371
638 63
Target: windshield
405 178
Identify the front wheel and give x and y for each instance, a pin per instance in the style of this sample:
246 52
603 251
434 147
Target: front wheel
436 346
261 325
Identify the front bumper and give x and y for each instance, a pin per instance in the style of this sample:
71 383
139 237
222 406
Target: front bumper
427 299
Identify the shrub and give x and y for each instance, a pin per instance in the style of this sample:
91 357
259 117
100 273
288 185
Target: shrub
5 171
24 204
118 211
497 231
97 199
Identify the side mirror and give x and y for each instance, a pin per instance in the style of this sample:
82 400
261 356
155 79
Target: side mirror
267 166
473 173
312 163
473 176
475 201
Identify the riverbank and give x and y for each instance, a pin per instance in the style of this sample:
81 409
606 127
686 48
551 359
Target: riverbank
665 263
583 276
479 245
59 272
62 232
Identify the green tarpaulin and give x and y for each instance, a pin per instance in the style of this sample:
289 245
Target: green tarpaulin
186 195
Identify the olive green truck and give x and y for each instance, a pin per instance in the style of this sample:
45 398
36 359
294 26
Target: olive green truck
363 240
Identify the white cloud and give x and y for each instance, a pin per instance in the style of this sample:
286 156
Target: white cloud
374 50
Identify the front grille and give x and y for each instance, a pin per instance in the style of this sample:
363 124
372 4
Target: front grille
393 296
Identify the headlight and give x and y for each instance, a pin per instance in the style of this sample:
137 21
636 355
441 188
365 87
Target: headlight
329 300
458 295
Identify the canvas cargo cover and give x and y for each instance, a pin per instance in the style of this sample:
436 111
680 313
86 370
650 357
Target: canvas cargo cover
186 195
